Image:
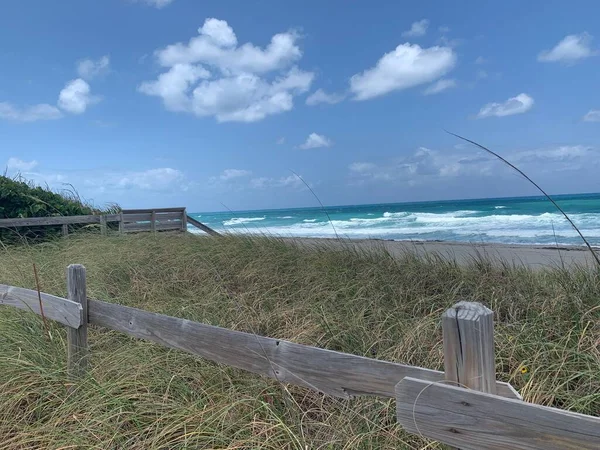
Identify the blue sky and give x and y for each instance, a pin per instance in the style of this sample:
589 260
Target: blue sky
211 103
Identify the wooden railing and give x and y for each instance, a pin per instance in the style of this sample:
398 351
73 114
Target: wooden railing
129 220
464 406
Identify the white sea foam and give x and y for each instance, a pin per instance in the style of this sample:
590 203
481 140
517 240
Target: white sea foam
286 217
464 226
500 207
241 220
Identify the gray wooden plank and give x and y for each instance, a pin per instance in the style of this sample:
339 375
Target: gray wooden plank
53 220
468 329
201 226
137 217
476 420
147 217
158 210
59 309
113 217
77 338
334 373
165 226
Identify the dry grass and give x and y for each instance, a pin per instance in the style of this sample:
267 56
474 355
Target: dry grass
139 395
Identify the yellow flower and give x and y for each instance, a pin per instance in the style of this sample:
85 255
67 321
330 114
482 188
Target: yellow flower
524 370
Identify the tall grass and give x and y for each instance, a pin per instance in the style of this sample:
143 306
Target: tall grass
140 395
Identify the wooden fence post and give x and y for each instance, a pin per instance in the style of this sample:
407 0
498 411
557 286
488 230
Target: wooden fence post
468 329
184 221
121 226
77 351
103 226
153 221
65 229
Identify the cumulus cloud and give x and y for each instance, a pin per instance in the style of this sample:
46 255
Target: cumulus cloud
42 111
315 140
593 115
440 86
571 49
212 75
76 97
16 164
89 68
417 29
405 67
320 96
515 105
230 174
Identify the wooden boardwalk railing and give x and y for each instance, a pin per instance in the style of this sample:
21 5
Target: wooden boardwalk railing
129 220
465 406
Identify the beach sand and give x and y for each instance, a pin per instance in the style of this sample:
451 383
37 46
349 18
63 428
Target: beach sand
535 257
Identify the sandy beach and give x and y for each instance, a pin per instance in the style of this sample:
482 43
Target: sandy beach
535 257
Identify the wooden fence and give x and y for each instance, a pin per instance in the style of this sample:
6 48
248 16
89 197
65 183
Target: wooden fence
464 406
129 220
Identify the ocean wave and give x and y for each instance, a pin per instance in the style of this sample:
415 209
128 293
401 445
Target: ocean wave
462 225
241 220
500 207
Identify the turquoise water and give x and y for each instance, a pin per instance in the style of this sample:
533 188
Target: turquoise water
523 220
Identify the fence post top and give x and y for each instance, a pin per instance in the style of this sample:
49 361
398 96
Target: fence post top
464 310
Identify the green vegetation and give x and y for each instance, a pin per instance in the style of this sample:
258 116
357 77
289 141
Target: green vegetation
140 395
20 198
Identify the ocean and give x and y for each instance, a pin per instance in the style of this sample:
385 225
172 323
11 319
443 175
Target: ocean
521 220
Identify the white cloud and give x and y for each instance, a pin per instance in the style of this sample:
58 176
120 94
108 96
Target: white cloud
407 66
20 165
89 68
480 60
425 164
153 179
320 96
213 76
230 174
417 29
217 46
361 167
156 3
593 115
562 153
444 29
291 181
280 141
571 49
76 97
515 105
174 86
315 140
42 111
440 86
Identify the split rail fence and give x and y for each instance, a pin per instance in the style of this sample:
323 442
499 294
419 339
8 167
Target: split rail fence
464 406
129 220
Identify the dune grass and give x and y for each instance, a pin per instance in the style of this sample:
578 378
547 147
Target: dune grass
139 395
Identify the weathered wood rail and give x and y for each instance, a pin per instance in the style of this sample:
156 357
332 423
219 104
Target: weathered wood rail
129 220
465 406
